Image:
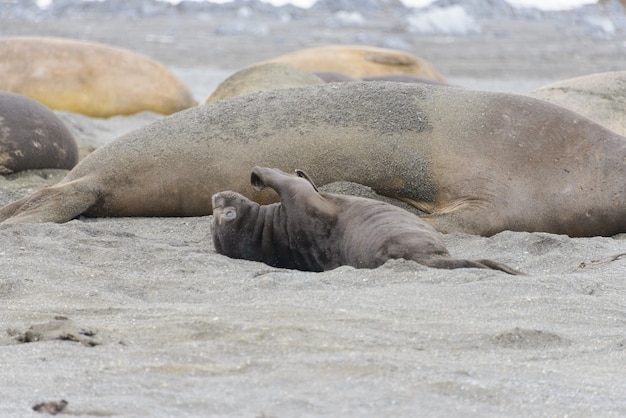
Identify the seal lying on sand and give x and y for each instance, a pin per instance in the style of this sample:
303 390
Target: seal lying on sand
314 231
89 78
475 162
601 97
403 78
32 136
335 77
263 77
360 61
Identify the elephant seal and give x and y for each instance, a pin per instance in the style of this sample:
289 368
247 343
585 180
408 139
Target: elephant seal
263 77
403 78
335 77
32 136
601 97
312 231
360 61
89 78
476 162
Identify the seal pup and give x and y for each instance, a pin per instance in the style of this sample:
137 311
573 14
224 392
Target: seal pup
473 161
90 78
32 136
360 61
312 231
600 97
263 77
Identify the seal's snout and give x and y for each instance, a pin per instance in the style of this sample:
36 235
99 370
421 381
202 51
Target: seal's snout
225 198
216 200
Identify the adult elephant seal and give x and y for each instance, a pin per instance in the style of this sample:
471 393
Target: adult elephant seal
32 136
89 78
403 78
601 97
314 231
335 77
263 77
360 61
475 162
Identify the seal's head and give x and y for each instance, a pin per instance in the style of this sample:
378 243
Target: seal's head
231 214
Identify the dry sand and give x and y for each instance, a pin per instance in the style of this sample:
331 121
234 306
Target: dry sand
160 325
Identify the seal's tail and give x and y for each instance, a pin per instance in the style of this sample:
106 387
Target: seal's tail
59 203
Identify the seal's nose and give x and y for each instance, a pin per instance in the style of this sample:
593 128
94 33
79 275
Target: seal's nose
216 200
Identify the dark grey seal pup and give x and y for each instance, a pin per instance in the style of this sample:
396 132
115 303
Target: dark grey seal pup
313 231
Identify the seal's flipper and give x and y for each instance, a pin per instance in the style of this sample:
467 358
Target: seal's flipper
60 203
256 182
293 190
305 176
275 178
453 263
494 265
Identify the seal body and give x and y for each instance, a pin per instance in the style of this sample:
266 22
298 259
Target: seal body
32 136
263 77
335 77
314 231
360 61
473 162
403 78
600 97
89 78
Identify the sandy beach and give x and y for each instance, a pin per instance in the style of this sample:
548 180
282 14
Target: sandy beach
136 317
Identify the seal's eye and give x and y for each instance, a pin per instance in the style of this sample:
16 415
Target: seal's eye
230 214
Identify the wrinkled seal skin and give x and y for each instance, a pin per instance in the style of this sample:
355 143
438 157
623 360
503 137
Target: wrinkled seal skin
475 162
90 78
360 61
32 136
601 97
314 231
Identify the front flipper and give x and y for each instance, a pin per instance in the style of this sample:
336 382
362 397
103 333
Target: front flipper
305 176
60 203
284 184
294 191
262 177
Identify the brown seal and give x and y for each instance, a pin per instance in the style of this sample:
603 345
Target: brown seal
89 78
600 97
314 231
335 77
360 61
32 136
403 78
475 162
263 77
